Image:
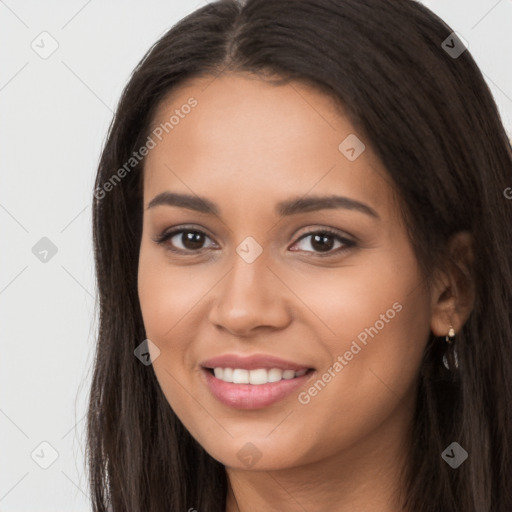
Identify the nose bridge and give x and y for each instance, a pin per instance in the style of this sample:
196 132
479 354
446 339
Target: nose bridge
249 295
247 285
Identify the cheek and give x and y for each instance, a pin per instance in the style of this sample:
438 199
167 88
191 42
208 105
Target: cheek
378 319
168 294
374 315
346 302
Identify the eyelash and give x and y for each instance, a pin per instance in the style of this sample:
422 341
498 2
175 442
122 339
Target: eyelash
348 244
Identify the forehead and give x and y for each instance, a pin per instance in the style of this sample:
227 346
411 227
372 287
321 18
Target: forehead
255 140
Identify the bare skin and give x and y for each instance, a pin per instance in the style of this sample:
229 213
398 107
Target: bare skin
247 146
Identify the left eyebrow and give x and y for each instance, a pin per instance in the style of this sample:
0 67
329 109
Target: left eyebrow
313 203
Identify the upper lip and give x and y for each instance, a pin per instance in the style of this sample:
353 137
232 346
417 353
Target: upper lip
253 362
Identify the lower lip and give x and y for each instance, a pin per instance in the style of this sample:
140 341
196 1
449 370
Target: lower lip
253 396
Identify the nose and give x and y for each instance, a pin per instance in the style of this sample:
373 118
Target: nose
249 298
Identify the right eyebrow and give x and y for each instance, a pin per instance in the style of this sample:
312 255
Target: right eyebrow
190 202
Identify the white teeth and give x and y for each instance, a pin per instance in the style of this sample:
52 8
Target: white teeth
288 374
274 375
240 376
257 377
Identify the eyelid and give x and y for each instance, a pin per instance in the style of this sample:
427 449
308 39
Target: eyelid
347 241
314 229
172 232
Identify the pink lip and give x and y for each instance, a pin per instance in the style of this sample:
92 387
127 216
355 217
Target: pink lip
253 362
251 396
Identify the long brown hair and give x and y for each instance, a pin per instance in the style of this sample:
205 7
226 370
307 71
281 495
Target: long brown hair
431 119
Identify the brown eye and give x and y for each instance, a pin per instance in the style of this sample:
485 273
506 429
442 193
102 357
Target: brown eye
191 240
324 241
184 240
321 242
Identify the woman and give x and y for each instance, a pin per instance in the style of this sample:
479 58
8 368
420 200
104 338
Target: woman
303 252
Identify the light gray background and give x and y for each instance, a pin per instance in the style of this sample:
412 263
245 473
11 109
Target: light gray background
54 116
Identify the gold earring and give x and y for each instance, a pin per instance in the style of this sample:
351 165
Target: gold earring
450 337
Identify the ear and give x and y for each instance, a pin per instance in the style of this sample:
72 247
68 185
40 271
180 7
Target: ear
453 290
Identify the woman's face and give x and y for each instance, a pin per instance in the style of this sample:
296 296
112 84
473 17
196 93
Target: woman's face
262 264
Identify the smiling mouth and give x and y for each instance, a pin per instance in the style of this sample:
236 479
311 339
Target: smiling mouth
257 376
